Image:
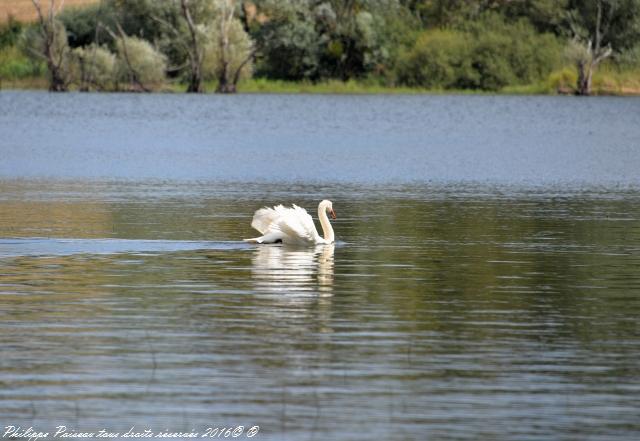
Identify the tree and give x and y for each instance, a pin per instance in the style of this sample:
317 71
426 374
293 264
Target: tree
289 41
314 39
213 42
353 31
194 50
185 22
599 28
234 49
83 25
52 46
230 64
442 13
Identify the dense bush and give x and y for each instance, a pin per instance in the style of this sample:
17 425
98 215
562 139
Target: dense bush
629 59
439 59
487 54
563 80
511 52
10 32
82 24
139 64
325 39
290 43
93 67
355 45
139 17
15 65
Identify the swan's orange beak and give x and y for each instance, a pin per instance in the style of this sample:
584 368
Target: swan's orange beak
332 214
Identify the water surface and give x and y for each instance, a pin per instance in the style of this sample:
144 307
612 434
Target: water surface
298 138
502 306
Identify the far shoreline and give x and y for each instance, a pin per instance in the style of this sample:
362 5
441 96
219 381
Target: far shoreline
336 87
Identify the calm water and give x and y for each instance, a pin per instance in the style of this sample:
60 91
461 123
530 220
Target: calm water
485 283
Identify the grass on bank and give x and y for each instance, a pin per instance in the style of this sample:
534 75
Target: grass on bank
623 84
264 85
605 82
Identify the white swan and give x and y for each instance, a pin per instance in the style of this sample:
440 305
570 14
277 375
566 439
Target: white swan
293 226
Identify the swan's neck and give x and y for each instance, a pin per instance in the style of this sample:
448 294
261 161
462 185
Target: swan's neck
327 229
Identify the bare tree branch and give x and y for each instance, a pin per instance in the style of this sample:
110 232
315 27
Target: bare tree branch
598 24
173 29
123 37
225 22
36 4
192 47
57 78
192 27
236 76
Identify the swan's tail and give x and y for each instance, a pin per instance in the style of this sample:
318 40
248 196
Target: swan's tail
272 237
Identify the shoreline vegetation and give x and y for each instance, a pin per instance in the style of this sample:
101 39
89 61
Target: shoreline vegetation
605 84
567 47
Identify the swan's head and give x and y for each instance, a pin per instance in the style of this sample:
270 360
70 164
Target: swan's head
327 206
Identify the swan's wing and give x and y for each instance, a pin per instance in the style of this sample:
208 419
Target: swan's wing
306 227
264 218
294 223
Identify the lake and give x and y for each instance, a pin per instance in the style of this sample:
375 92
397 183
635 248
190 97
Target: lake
485 281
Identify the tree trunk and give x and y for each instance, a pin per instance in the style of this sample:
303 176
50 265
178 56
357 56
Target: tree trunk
585 72
56 79
225 83
195 80
225 86
195 84
195 55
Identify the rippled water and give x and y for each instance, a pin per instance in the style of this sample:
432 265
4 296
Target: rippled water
447 309
297 138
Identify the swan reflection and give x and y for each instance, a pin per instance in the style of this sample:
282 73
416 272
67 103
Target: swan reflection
279 269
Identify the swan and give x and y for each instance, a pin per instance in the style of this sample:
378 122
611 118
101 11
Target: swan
293 226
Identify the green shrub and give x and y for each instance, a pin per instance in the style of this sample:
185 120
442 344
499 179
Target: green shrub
82 23
93 67
491 58
312 40
15 65
139 64
486 54
290 42
10 32
510 53
563 80
438 60
628 59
